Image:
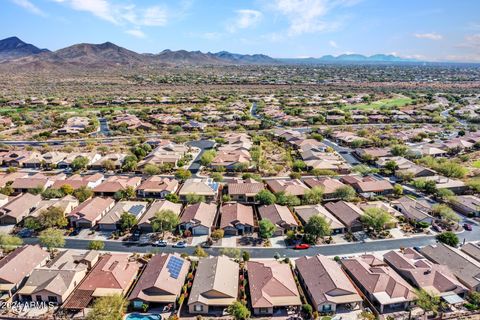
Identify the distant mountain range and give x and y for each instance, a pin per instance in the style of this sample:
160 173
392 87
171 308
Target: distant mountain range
16 53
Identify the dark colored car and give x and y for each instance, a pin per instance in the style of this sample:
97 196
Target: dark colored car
75 232
25 233
467 227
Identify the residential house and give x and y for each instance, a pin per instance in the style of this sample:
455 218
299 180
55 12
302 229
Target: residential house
66 204
467 205
424 274
406 167
92 157
372 153
382 286
272 287
280 216
17 265
236 219
55 281
293 187
385 207
52 159
74 125
205 187
145 222
465 268
111 220
327 286
231 160
77 181
455 185
198 218
308 211
417 210
157 187
112 274
472 249
215 286
26 159
115 158
347 213
8 178
161 281
18 208
244 190
369 185
88 213
328 185
114 184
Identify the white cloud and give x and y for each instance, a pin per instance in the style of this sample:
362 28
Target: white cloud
430 36
472 41
309 16
121 14
155 16
26 4
136 33
333 44
245 18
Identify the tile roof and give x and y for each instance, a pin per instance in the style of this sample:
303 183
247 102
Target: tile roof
202 213
272 284
277 214
234 213
20 262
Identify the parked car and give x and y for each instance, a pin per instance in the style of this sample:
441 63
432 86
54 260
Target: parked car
25 233
160 243
75 232
301 246
180 244
467 227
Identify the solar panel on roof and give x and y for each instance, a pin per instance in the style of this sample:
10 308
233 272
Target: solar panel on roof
136 209
174 266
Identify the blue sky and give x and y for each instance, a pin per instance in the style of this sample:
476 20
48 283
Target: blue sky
436 30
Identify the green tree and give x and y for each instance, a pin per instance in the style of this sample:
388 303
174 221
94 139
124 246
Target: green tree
445 212
245 256
127 221
397 189
9 242
265 197
108 165
399 150
286 199
449 238
207 157
165 220
233 253
32 223
110 307
151 169
126 194
192 198
130 163
52 238
313 196
299 165
67 189
238 310
172 197
428 301
96 245
217 177
317 227
266 228
346 193
199 252
53 217
183 174
79 163
218 234
83 193
376 218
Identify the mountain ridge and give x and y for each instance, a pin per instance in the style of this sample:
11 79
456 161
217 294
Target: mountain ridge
14 51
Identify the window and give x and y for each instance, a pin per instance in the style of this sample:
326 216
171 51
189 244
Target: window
38 298
327 307
52 299
198 307
263 310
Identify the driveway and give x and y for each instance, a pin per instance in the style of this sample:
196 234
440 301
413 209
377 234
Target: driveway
202 145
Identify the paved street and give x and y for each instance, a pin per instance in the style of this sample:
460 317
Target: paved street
330 250
346 153
202 145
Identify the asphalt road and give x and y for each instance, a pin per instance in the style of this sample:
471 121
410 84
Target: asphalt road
346 153
330 250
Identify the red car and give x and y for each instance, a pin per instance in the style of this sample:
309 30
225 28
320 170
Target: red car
467 227
302 246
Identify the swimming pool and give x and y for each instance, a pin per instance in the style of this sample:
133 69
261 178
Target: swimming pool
139 316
